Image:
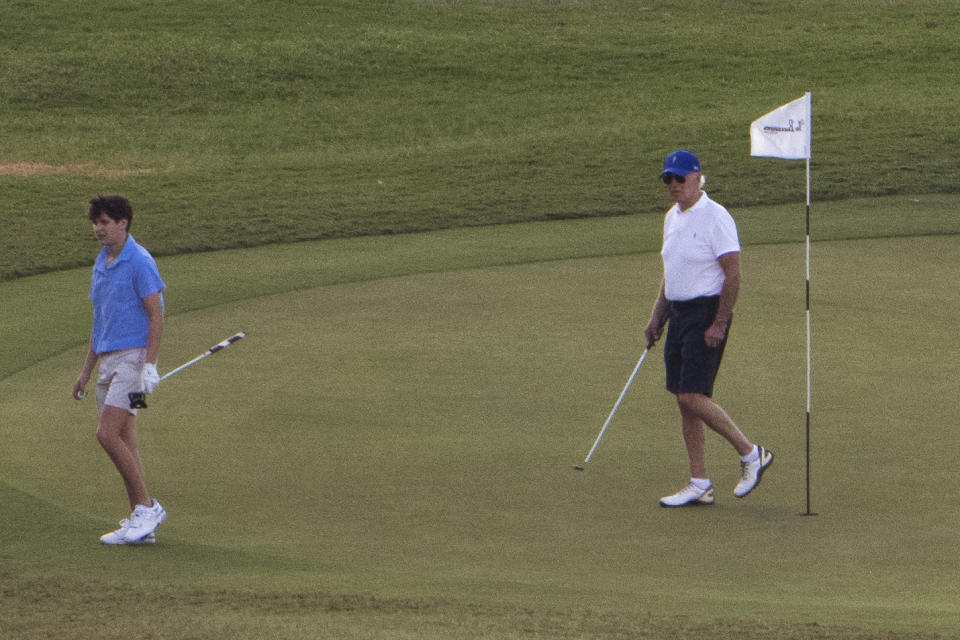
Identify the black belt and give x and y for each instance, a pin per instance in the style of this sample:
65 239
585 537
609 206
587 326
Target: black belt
694 303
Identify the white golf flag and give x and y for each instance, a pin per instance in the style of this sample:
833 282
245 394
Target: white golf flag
784 132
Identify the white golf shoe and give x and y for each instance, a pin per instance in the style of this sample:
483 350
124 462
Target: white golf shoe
140 528
752 472
690 495
116 537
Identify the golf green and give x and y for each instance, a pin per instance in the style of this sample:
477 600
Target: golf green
411 438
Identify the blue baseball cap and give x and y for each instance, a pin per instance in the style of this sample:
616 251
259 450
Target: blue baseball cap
680 163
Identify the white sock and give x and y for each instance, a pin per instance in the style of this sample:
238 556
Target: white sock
753 455
701 483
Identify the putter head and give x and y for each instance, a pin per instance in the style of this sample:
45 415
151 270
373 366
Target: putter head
138 399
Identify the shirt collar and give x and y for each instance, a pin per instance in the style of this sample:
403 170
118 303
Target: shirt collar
700 201
128 247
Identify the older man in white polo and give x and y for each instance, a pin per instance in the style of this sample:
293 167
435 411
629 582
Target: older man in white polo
701 281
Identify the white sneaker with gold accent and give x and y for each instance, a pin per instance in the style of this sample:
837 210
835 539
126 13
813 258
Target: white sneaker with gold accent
691 495
117 537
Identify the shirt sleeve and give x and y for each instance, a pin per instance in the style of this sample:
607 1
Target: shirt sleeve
725 239
146 279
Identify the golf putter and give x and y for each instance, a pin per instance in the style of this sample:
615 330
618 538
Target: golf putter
636 370
138 399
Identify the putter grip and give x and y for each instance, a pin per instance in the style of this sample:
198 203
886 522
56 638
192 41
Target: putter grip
138 400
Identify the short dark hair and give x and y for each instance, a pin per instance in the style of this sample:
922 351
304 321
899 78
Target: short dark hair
117 207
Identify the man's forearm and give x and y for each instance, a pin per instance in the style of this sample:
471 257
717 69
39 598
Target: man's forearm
154 309
153 340
728 298
660 305
89 362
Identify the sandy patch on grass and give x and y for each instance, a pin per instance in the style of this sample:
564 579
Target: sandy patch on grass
42 169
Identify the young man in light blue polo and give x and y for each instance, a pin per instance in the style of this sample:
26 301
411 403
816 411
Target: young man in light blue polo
701 281
127 295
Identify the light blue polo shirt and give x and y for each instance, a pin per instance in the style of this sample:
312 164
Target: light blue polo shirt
120 320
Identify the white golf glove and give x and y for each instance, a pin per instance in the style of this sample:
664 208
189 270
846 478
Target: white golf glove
149 378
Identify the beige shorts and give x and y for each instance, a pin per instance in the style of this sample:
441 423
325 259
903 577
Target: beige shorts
119 376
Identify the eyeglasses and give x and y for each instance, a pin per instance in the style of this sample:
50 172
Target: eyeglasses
672 176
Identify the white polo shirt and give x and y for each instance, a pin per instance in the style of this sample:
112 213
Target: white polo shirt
693 241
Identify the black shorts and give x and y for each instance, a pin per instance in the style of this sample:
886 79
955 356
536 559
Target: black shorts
691 365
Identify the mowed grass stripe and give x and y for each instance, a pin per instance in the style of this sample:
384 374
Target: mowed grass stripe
52 313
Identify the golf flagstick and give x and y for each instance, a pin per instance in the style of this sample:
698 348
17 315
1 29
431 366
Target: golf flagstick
613 412
138 399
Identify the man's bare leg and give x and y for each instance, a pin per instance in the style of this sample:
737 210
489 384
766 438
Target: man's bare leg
117 435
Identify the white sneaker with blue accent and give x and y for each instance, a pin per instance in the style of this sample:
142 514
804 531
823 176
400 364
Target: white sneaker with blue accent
752 471
140 528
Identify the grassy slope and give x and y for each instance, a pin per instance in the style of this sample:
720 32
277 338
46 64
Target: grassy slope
235 124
